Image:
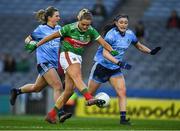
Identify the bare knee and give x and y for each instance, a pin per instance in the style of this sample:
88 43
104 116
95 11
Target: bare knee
57 85
36 88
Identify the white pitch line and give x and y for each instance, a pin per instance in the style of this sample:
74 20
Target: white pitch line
21 127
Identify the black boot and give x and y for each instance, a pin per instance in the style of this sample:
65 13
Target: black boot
63 116
125 122
13 96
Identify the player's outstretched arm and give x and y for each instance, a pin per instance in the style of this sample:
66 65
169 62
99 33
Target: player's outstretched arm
145 49
48 38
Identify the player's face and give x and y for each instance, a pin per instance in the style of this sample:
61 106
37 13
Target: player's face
122 24
55 18
84 25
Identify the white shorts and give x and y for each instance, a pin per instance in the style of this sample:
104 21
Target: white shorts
68 58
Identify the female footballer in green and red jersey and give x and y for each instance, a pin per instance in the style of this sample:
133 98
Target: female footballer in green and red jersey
75 37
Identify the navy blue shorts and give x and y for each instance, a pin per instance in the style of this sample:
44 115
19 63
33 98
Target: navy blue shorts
44 67
101 74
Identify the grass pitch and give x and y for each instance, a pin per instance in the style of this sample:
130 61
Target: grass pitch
77 123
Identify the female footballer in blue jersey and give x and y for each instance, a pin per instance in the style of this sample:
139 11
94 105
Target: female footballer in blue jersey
120 38
47 58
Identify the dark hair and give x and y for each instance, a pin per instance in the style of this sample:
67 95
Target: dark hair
43 14
121 16
112 24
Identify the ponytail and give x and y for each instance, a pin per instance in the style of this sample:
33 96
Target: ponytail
84 14
42 15
108 27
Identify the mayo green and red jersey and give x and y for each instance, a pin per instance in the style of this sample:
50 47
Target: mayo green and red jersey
74 40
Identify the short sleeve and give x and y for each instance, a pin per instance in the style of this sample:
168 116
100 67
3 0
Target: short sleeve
95 35
37 34
134 39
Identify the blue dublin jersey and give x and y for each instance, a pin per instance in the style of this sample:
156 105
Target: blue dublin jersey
47 52
119 43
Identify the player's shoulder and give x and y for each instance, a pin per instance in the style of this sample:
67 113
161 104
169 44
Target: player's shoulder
112 31
91 28
42 26
129 31
71 26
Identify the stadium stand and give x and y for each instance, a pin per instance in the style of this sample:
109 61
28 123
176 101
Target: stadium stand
160 9
161 71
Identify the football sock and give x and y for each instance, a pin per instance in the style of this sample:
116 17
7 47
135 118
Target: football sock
123 115
54 111
86 94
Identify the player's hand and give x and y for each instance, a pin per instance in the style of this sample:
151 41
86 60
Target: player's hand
124 65
31 46
155 50
114 53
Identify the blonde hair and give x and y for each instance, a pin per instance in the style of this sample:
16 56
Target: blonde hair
84 14
43 14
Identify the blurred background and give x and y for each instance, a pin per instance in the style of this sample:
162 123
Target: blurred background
155 22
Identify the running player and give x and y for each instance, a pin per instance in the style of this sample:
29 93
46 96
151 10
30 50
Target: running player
120 38
47 58
75 37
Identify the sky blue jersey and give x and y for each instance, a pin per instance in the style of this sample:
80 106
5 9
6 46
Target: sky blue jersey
119 43
47 52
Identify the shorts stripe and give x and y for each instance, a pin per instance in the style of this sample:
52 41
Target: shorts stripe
92 71
67 58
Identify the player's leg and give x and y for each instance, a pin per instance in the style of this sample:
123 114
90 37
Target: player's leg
28 88
54 81
74 72
118 83
72 64
51 116
96 78
93 86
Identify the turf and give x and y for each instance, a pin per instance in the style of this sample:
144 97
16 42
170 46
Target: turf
76 123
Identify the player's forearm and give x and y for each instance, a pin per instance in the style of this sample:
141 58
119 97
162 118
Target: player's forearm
48 38
105 44
108 56
44 40
143 48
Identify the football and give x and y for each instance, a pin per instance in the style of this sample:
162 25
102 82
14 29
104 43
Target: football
103 96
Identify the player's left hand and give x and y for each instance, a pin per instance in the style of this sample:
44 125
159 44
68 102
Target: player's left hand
155 50
114 53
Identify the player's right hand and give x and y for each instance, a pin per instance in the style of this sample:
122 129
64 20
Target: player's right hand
124 65
31 46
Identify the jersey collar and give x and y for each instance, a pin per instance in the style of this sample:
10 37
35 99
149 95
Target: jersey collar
50 26
121 33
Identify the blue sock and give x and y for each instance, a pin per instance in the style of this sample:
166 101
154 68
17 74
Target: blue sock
123 115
